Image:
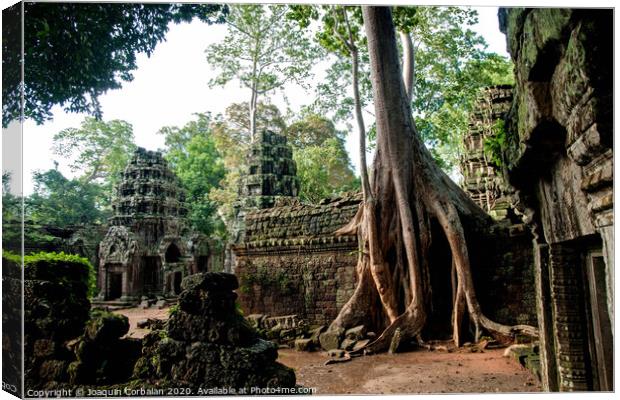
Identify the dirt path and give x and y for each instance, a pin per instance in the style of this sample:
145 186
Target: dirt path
414 372
137 314
419 371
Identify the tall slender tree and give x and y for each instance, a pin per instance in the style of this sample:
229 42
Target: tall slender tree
262 50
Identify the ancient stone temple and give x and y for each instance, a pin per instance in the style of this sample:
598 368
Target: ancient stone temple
272 173
148 248
482 179
289 262
559 158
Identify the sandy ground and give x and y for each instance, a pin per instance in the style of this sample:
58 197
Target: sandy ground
419 371
137 314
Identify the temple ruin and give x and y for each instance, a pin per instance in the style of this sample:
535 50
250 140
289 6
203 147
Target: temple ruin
289 262
149 248
559 159
482 179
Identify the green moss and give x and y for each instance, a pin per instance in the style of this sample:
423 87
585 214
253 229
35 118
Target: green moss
60 268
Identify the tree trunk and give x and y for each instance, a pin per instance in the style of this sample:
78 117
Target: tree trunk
359 117
408 63
253 102
394 232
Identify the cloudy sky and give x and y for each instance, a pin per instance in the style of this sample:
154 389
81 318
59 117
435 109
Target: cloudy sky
171 85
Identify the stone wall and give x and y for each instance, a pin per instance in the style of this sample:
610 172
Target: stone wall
559 158
291 263
482 179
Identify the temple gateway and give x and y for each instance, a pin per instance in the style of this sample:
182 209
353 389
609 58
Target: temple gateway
149 248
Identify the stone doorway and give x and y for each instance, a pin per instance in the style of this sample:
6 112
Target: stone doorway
439 324
151 275
115 285
202 265
601 338
178 277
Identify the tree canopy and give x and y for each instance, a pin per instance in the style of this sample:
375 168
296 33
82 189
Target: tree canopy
75 52
100 150
59 201
192 154
263 51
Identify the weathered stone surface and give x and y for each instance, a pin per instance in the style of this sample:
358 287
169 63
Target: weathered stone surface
210 281
103 356
148 236
336 353
360 344
106 327
559 159
316 333
356 333
347 344
202 347
304 345
271 172
330 340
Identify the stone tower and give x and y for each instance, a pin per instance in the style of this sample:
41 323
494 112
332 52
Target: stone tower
480 179
271 174
145 251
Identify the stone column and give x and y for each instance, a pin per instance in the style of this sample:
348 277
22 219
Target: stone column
548 366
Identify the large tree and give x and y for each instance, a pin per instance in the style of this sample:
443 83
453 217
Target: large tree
193 156
444 65
263 51
99 150
394 221
58 201
74 52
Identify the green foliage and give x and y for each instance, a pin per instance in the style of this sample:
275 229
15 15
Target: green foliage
340 32
263 51
324 170
100 149
56 260
192 154
74 52
174 309
495 145
59 201
311 130
451 65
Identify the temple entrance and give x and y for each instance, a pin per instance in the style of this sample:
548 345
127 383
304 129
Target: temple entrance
439 324
202 264
151 274
601 339
115 285
178 277
173 254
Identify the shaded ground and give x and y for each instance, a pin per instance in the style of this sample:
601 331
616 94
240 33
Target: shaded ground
137 314
419 371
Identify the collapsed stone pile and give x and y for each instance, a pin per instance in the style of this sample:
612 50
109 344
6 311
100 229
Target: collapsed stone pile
103 355
207 343
56 309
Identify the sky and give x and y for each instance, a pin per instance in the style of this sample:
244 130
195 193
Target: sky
172 85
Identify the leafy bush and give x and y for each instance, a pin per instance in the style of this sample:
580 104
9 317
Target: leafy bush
58 266
495 145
